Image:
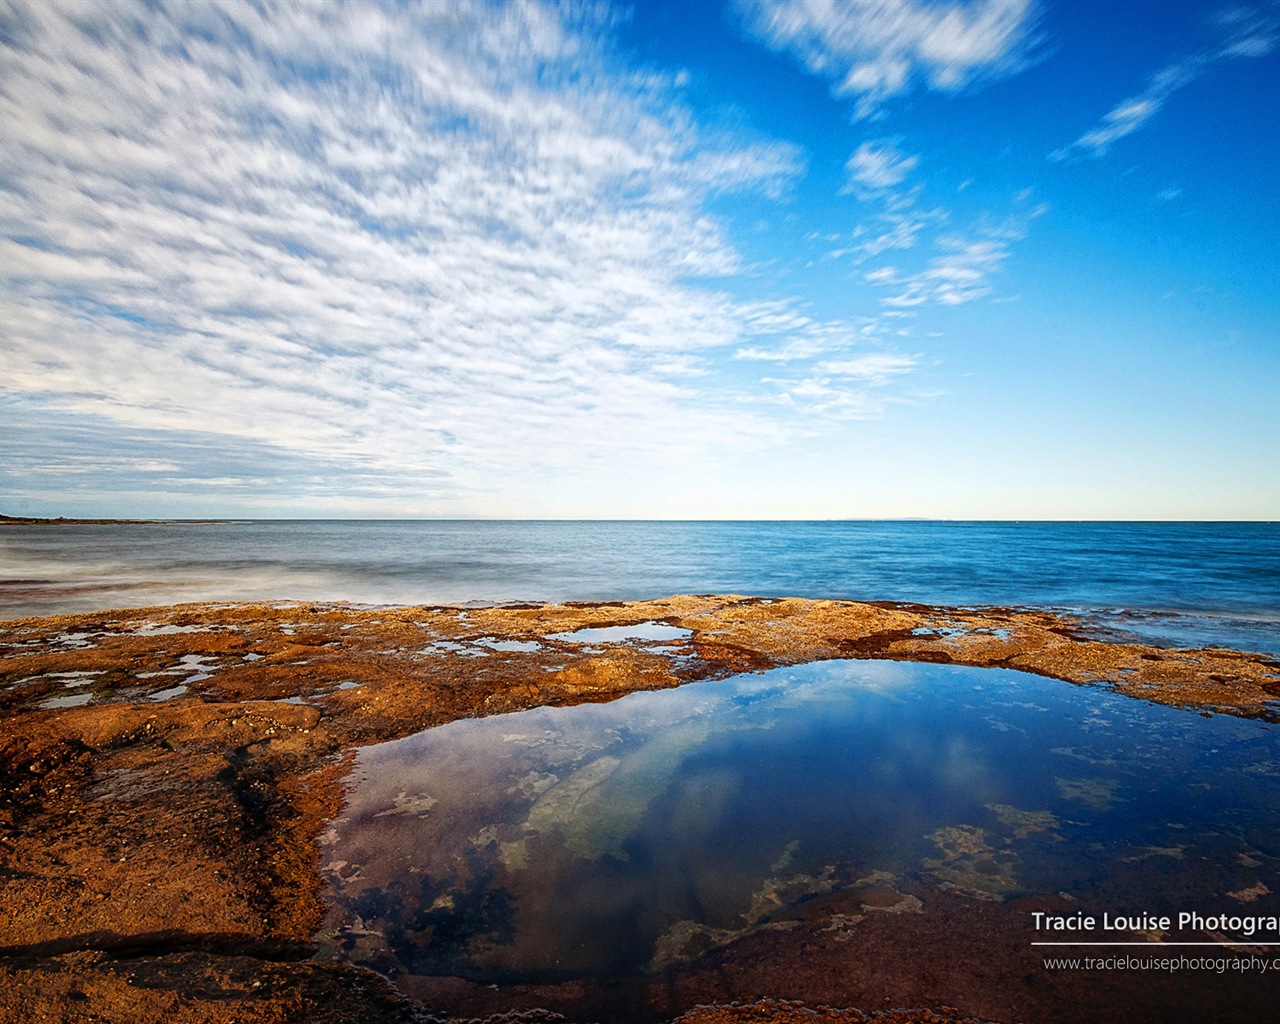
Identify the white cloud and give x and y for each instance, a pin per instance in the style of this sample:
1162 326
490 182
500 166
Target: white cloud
1250 33
879 164
872 52
881 275
876 367
784 335
837 396
892 229
853 382
876 171
875 51
425 246
963 269
1130 114
958 275
817 340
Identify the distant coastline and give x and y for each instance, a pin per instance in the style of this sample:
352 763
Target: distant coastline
65 521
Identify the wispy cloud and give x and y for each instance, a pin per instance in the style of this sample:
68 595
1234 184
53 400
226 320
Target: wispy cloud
879 164
899 225
872 52
878 367
1249 33
803 338
411 244
826 371
848 389
875 51
958 275
877 174
962 270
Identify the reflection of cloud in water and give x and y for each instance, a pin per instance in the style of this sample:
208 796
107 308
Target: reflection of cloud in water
1096 794
653 632
605 838
596 807
802 686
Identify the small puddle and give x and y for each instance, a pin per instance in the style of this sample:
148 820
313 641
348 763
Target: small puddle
455 648
999 632
612 841
652 632
75 639
73 679
199 665
521 646
70 700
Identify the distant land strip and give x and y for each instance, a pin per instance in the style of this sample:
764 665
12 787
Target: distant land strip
66 521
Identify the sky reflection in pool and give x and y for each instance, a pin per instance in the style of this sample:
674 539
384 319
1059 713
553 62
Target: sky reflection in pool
609 839
654 632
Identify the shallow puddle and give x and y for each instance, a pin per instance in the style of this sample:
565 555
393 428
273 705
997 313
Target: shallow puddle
71 700
517 646
615 840
158 629
652 632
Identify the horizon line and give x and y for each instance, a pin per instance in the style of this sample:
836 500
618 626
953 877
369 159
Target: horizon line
228 519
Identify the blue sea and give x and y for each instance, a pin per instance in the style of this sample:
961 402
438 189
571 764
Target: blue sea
1175 583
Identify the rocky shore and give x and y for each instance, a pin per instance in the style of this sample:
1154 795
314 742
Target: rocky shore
165 773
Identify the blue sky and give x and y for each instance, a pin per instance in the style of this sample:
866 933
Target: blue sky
760 259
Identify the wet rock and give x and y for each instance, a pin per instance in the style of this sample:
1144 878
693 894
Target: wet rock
160 858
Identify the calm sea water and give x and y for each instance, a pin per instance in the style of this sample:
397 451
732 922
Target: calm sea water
1201 583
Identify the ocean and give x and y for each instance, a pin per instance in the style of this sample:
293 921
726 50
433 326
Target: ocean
1170 583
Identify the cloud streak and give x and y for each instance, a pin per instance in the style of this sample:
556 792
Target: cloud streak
879 165
873 52
1250 33
427 247
963 268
